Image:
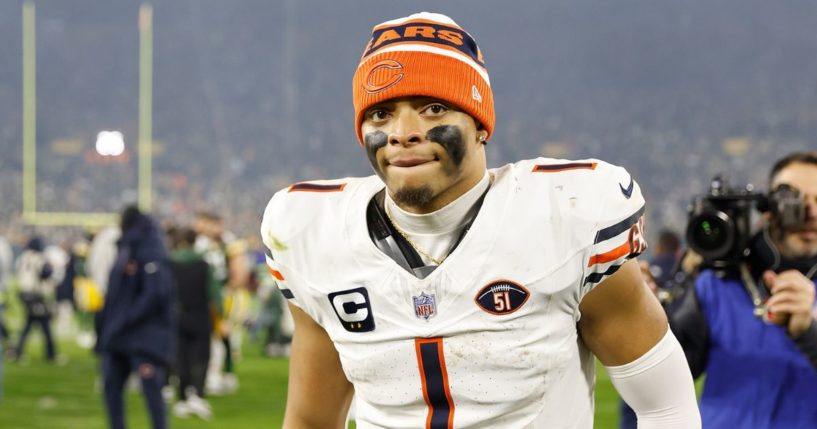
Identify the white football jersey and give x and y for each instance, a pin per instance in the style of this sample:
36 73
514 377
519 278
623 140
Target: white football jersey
489 338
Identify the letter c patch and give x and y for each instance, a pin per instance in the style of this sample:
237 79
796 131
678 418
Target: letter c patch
353 309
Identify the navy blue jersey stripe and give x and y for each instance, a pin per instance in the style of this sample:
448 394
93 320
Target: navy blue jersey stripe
614 230
287 293
596 277
314 187
440 408
550 168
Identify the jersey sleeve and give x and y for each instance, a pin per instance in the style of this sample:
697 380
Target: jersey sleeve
619 227
274 248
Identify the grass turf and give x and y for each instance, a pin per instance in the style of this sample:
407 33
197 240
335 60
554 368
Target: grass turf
40 395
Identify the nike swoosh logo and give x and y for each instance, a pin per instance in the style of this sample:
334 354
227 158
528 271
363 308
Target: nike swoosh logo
628 192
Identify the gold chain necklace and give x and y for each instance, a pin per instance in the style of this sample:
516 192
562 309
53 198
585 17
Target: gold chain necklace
410 241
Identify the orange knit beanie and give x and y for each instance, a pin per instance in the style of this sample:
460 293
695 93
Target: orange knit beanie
424 54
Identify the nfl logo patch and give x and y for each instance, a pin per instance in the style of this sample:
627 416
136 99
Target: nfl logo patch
425 306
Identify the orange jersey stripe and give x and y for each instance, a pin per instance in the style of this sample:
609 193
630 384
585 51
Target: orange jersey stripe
276 274
555 168
314 187
612 255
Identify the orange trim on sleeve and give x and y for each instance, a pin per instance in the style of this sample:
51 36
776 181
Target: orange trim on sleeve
314 187
612 255
276 274
555 168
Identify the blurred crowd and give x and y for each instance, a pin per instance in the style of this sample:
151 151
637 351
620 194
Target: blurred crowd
234 105
220 294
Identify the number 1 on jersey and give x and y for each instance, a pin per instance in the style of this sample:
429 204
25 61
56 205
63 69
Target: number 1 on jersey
434 378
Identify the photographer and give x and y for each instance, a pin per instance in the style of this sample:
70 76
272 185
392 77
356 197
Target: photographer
749 323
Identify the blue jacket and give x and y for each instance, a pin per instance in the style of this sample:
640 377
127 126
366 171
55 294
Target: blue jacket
756 378
137 318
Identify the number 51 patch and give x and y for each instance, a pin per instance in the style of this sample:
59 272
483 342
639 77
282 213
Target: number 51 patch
502 297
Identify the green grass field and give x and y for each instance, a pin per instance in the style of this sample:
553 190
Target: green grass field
43 396
39 395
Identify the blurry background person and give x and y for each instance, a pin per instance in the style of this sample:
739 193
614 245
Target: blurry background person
273 320
102 256
84 293
237 305
761 368
210 246
34 274
58 256
665 256
135 326
72 297
196 296
6 266
6 261
227 258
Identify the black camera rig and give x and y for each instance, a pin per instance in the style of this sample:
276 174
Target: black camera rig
719 226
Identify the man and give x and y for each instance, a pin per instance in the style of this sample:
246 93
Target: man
758 373
217 247
6 262
447 295
135 327
102 256
6 265
35 277
196 299
665 256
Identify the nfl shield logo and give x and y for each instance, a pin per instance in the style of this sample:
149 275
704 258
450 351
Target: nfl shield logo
424 306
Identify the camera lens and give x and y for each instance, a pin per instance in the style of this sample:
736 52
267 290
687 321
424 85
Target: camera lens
711 234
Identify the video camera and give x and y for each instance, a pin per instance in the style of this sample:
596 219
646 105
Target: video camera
719 226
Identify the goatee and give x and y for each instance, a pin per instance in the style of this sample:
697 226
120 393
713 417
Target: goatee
413 197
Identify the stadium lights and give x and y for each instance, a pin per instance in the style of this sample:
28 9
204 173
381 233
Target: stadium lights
110 143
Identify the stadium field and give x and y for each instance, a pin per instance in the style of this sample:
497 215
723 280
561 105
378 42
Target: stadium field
43 396
39 395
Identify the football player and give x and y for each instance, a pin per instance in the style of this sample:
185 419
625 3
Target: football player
444 294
